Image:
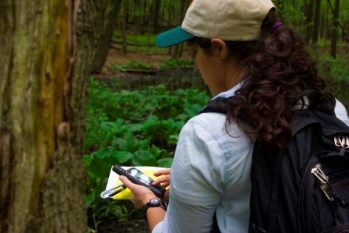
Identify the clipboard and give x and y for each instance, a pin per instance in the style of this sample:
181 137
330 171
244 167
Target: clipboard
115 189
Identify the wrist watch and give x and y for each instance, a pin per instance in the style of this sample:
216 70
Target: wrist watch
154 202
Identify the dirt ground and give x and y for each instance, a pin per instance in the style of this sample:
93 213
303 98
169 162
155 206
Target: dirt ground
138 225
116 57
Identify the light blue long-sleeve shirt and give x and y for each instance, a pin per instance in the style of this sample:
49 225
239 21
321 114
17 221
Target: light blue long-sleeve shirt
211 172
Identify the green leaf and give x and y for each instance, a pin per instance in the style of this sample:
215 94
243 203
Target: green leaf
144 158
120 144
166 162
123 156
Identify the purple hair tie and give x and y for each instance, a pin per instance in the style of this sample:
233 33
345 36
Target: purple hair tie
275 26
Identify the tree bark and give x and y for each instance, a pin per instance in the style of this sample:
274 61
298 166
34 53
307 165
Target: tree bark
178 49
316 22
46 53
106 37
309 12
155 15
335 29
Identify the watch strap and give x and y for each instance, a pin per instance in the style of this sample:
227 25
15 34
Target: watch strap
153 203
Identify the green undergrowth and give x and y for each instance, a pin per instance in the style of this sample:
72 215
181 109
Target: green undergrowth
131 128
140 65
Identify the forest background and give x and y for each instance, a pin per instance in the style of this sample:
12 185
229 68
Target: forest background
82 87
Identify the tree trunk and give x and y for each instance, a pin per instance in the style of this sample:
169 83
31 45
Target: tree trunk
308 12
46 53
137 16
178 49
106 37
334 29
156 12
316 22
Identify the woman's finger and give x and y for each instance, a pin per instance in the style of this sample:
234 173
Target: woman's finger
127 183
165 171
164 181
141 195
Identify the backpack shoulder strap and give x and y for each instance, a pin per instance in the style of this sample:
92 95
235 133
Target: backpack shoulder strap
329 124
218 105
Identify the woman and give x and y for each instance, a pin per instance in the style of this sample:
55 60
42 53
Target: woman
243 53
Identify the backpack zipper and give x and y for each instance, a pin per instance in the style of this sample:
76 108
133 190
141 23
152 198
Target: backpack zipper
320 175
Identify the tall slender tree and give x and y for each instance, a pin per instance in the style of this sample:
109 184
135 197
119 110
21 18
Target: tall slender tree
316 27
156 13
309 17
335 29
106 36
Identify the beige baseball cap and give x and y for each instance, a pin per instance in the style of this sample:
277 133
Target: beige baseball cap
231 20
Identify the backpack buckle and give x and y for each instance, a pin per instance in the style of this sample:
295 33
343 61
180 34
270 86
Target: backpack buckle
341 141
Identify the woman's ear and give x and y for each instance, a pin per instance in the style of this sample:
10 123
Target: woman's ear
219 48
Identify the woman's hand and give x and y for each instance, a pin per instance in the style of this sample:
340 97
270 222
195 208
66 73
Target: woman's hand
141 195
164 180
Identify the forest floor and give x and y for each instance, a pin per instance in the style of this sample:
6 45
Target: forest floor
135 225
137 70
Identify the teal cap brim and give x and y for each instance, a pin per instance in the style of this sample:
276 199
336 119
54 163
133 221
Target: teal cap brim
172 37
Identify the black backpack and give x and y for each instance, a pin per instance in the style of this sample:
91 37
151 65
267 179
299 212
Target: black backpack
305 188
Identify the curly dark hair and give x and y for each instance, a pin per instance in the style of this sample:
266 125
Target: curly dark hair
278 73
